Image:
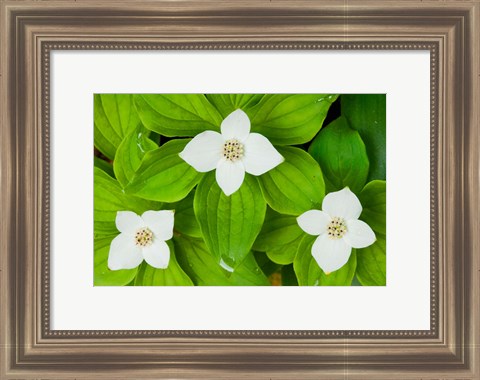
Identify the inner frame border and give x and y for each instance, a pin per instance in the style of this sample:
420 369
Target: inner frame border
48 47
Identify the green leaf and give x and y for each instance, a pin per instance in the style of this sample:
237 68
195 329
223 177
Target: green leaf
104 165
227 103
173 275
163 176
288 276
288 119
114 117
185 221
130 153
342 156
355 281
279 237
284 254
229 224
367 114
267 266
177 114
373 198
294 186
110 198
102 276
372 263
204 269
310 274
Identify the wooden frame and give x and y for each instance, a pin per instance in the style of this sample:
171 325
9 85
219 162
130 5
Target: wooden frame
31 29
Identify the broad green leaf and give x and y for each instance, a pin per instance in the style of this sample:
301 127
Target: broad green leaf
341 154
288 119
163 176
373 198
130 153
279 237
227 103
367 114
204 269
177 114
310 274
229 224
294 186
185 221
173 275
284 254
104 165
110 198
102 275
114 117
372 263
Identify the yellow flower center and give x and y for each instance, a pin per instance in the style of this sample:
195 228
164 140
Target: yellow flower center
233 150
143 237
337 228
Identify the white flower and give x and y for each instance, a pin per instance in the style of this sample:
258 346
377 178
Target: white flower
141 238
338 229
232 153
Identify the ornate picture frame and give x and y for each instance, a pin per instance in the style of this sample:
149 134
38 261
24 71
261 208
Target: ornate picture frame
31 30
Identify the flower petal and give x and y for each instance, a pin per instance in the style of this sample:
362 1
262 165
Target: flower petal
160 223
314 222
260 156
157 254
124 254
230 176
204 151
359 234
236 126
343 204
330 254
128 222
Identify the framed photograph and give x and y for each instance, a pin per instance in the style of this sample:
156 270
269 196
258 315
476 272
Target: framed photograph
199 190
189 189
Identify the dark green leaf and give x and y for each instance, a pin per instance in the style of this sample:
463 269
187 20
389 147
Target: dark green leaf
204 269
310 274
355 281
279 237
185 221
288 119
294 186
267 266
104 165
229 224
130 153
373 198
341 154
372 263
227 103
114 117
288 276
177 114
173 275
110 198
367 114
163 176
104 276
